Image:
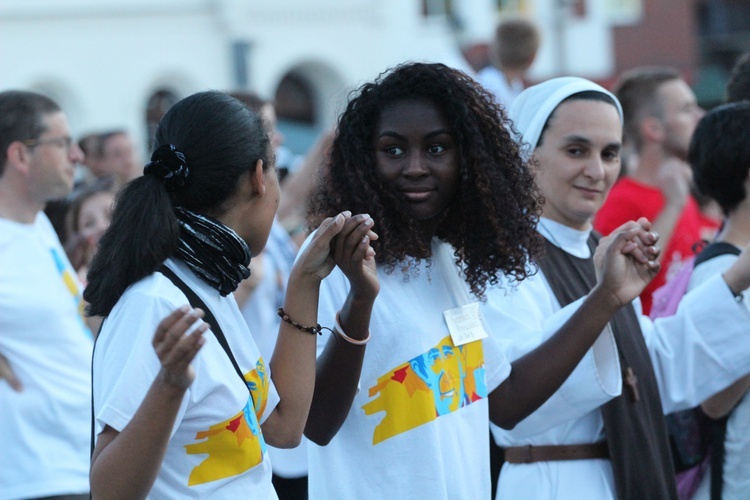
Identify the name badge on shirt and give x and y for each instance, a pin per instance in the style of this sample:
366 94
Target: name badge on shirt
465 324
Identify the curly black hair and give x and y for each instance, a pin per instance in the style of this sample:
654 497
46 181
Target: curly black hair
491 222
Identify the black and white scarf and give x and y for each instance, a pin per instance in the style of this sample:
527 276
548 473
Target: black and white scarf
213 251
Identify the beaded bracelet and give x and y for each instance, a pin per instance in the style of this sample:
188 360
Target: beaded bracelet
314 330
340 332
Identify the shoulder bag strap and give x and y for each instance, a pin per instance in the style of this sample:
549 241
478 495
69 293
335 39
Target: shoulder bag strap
714 250
209 318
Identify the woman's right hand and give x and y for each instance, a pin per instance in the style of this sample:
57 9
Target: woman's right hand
176 349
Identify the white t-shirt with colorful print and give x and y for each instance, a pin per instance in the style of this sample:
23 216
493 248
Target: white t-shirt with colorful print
217 448
418 427
45 428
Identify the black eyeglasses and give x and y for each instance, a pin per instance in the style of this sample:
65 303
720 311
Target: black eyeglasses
65 142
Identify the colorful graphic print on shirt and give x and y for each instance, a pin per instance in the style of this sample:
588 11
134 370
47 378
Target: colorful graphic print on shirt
234 445
431 385
72 285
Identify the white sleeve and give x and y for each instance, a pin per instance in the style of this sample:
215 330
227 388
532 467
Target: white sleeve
125 363
526 317
702 348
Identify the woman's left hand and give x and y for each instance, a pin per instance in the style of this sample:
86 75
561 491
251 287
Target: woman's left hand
316 259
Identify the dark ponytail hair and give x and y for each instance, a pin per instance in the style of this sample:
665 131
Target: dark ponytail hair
221 140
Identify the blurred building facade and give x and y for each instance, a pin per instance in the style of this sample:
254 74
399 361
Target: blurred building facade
600 39
122 63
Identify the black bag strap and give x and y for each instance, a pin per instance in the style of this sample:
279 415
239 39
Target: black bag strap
714 250
209 318
718 438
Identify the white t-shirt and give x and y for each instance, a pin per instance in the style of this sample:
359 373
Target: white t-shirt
44 430
217 448
494 80
418 425
737 440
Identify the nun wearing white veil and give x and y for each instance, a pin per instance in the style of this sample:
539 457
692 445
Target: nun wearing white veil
602 434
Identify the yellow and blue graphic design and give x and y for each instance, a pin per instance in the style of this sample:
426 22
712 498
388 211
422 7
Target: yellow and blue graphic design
234 445
431 385
72 285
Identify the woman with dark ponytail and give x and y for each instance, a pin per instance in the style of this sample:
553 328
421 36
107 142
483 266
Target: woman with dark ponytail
184 413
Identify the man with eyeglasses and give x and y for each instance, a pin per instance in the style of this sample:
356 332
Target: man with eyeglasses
45 347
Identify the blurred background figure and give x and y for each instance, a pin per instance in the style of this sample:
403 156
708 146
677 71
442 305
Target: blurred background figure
738 87
110 154
297 188
45 346
513 51
88 216
661 113
286 161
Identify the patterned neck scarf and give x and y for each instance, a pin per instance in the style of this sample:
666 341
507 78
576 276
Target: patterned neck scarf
213 251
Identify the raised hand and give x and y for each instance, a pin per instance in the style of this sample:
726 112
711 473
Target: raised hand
646 248
176 349
354 255
316 258
673 179
626 261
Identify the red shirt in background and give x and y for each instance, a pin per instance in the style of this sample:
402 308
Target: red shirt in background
629 200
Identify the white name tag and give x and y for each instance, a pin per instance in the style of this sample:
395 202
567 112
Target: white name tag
465 324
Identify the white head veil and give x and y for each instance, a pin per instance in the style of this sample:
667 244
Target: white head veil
533 107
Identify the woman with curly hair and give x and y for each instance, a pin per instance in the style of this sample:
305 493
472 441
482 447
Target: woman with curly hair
405 384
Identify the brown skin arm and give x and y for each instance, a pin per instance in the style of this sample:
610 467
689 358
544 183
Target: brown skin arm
340 364
720 404
627 263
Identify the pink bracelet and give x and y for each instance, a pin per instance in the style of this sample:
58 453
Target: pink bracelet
340 332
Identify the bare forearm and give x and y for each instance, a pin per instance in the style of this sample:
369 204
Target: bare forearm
293 364
339 368
126 464
537 375
296 189
723 402
665 224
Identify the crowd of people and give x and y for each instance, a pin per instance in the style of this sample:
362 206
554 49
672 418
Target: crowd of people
462 255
